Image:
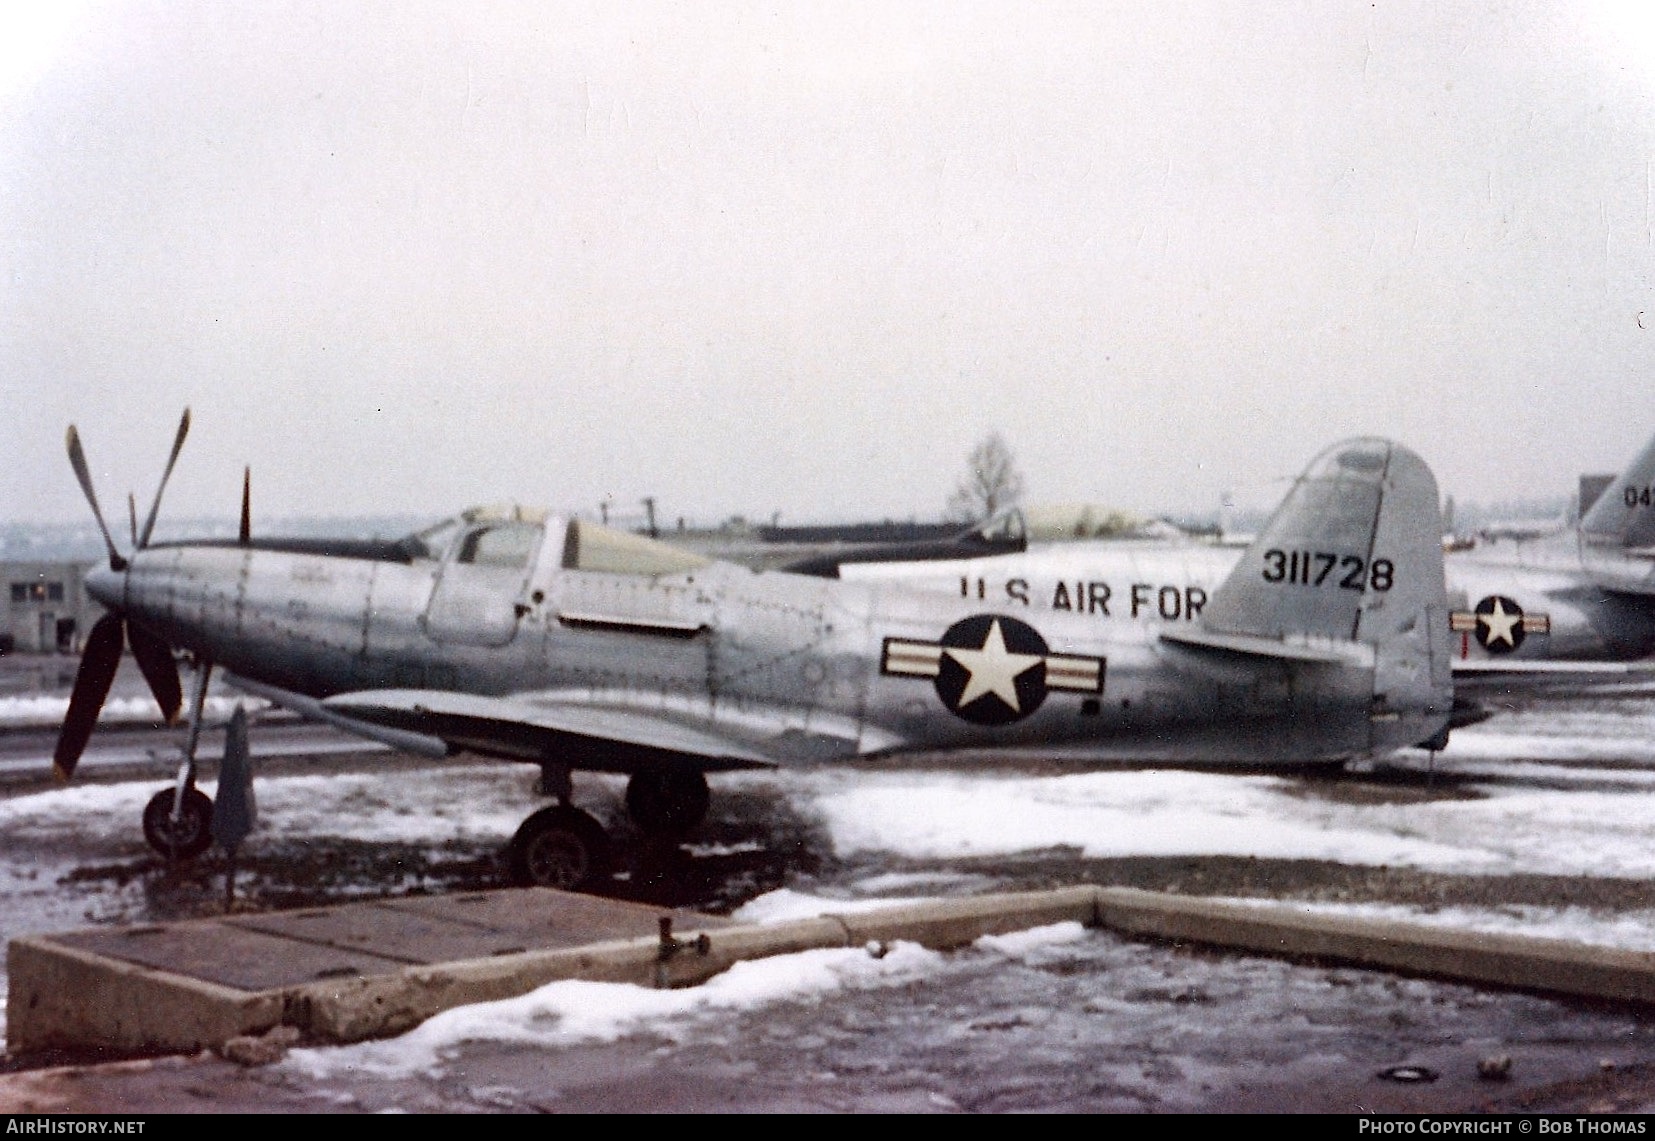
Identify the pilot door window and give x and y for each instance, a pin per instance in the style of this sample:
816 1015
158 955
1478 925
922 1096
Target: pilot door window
505 545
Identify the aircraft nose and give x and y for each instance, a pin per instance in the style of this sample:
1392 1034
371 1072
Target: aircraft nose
107 586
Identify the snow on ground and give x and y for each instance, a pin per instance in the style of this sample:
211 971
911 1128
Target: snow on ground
462 802
574 1012
1581 808
1167 813
1628 930
1579 830
49 709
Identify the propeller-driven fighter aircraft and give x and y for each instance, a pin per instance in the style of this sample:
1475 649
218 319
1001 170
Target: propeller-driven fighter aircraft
1575 607
549 640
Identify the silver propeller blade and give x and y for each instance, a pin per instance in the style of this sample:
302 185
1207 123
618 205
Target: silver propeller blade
77 460
177 444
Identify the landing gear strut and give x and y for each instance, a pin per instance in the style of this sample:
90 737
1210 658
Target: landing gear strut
667 801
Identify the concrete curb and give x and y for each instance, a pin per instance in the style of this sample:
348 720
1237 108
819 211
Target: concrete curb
1515 962
67 997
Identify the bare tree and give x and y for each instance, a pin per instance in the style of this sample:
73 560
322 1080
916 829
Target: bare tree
991 481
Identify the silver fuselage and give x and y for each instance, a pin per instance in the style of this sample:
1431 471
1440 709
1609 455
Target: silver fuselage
804 662
1570 604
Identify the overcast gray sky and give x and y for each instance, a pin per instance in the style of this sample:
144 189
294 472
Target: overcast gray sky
792 257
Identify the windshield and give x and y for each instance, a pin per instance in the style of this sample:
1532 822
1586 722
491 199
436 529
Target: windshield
502 545
434 541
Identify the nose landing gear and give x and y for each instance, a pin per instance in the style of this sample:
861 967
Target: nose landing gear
178 821
186 835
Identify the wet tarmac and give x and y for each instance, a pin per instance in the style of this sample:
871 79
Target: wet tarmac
1095 1023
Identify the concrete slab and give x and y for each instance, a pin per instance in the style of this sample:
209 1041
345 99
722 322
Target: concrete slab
326 970
476 925
541 917
225 954
372 969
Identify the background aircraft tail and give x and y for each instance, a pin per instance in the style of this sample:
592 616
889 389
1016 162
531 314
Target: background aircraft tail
1624 514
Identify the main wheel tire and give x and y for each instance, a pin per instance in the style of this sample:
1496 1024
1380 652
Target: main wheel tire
559 847
667 801
188 836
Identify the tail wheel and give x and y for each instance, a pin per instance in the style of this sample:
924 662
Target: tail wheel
559 847
667 801
186 837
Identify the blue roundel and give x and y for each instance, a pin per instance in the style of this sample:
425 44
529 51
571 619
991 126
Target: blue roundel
992 669
1499 624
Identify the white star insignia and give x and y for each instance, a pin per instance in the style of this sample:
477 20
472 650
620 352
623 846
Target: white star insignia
993 669
1500 625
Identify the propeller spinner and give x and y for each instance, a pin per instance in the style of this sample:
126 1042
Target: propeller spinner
112 633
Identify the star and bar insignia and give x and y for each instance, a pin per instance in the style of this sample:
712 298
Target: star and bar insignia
1499 624
992 670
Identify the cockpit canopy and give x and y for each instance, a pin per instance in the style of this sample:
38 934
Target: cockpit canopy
511 536
497 536
1057 522
590 547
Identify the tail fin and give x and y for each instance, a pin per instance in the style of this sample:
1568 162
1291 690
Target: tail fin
1349 570
1624 514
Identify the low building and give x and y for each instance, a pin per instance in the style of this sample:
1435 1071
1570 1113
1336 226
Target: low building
44 607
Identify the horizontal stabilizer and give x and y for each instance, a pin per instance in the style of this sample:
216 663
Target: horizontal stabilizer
1334 653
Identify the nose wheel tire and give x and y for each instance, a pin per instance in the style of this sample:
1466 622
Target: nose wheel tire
559 847
186 837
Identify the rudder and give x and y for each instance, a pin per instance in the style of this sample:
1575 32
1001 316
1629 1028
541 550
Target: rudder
1359 530
1624 514
1354 555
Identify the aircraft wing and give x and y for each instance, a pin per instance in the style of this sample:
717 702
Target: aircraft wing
313 710
591 733
1565 670
1484 676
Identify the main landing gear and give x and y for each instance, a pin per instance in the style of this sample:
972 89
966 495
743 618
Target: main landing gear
560 847
565 847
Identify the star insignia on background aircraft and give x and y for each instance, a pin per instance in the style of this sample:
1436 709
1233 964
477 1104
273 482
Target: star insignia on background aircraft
1499 624
991 669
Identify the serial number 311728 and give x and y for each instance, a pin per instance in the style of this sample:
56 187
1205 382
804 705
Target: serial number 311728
1321 568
